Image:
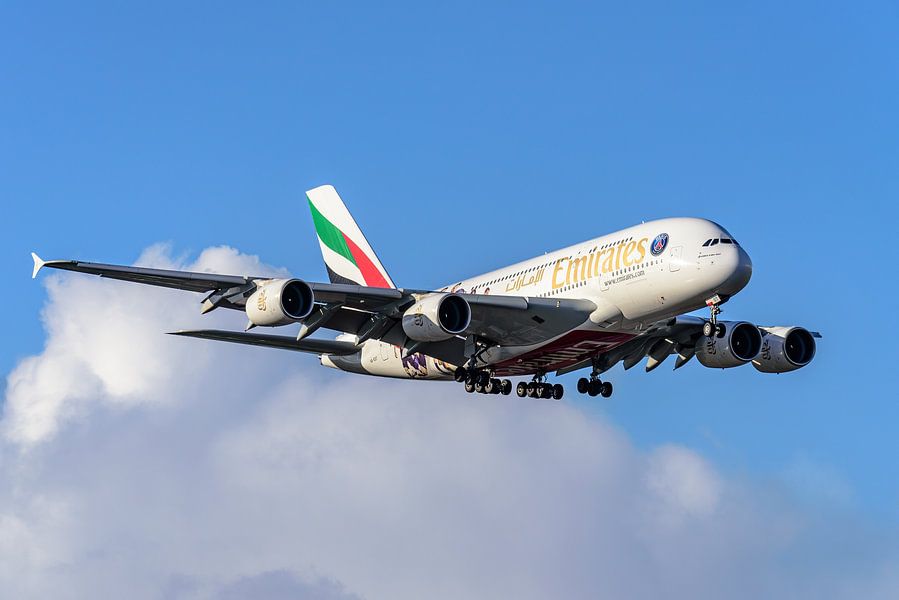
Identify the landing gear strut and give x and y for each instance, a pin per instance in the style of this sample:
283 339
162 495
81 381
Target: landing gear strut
712 327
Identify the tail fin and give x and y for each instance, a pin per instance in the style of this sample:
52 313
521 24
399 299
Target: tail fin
348 256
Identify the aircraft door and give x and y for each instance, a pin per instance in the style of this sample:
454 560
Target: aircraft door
675 257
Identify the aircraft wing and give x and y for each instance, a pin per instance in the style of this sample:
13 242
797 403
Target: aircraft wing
659 341
350 295
182 280
368 312
284 342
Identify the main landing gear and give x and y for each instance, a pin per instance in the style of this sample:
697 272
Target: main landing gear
538 388
594 387
712 328
480 381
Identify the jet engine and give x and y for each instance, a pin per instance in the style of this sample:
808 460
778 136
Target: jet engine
437 317
784 349
280 302
740 344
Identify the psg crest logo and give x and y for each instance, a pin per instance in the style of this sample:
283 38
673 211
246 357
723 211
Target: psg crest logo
659 244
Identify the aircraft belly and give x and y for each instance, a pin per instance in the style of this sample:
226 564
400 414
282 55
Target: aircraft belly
386 360
564 351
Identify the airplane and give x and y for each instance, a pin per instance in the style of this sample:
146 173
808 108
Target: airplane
621 297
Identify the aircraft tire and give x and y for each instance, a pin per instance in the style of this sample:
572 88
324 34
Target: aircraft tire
460 375
606 389
506 387
708 330
583 384
521 389
469 386
594 387
558 391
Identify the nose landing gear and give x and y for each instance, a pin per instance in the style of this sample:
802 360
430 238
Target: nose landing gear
712 328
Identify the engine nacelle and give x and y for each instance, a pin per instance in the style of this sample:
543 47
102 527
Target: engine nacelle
437 317
741 343
280 302
784 349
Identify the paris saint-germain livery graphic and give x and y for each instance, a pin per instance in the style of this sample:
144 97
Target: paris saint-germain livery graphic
620 297
659 244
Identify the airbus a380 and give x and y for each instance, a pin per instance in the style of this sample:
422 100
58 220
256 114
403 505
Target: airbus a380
619 297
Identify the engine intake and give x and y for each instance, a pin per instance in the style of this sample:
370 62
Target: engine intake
741 343
280 302
437 317
784 349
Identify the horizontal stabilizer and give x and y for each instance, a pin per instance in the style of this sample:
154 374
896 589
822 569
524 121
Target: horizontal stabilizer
285 342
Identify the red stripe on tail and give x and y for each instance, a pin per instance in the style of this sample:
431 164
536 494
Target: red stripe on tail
370 272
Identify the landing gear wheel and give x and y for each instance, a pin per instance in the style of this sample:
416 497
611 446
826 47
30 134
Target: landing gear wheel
720 330
484 378
546 391
490 388
479 387
469 387
583 384
521 389
558 390
506 387
606 389
532 389
460 375
594 387
708 330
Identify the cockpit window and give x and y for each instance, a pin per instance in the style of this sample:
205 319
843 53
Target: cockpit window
707 242
714 242
726 241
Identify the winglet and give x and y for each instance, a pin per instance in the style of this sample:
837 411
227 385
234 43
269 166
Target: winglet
38 263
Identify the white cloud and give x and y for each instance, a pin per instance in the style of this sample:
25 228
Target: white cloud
136 464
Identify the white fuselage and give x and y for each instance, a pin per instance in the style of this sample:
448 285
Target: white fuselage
635 276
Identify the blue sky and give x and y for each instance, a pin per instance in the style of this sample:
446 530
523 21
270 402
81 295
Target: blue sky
465 137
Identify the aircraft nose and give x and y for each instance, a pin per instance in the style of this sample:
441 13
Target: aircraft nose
740 272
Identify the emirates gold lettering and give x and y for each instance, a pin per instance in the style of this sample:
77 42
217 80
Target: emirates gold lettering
570 270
